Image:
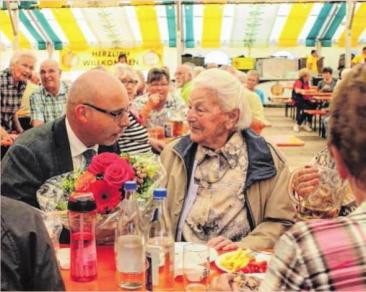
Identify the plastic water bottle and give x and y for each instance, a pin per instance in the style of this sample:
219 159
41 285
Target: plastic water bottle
159 247
130 251
82 218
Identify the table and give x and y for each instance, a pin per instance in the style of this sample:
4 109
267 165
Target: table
106 274
286 141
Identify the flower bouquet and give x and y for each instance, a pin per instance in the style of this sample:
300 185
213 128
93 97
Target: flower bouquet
104 177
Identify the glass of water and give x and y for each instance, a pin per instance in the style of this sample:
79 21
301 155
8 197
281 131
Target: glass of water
196 267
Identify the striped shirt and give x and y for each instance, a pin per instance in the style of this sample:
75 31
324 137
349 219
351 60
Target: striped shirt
134 139
324 255
11 97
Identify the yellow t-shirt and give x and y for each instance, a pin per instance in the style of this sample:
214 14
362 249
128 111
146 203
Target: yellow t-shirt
359 59
311 63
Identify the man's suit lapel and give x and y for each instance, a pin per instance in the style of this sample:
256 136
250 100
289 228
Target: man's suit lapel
63 153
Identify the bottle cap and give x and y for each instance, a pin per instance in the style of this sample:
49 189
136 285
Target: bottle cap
82 202
159 193
130 185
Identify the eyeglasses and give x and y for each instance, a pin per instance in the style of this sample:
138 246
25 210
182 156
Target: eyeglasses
129 82
116 115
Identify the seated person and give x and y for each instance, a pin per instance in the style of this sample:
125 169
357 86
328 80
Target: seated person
28 261
226 185
328 83
96 115
134 139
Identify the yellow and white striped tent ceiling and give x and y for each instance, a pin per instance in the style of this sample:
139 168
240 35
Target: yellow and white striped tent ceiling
206 24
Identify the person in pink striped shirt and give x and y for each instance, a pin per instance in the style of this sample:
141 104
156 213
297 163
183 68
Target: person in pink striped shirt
330 255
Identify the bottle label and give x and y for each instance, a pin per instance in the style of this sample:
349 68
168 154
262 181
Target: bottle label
153 262
168 130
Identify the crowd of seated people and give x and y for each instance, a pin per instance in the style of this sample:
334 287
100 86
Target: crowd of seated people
223 152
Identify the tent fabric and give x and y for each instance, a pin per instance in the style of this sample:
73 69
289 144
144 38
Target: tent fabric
152 24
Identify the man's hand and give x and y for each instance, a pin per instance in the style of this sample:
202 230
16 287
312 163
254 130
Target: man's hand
306 180
222 243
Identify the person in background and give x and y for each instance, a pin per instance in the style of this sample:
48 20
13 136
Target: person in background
226 185
122 58
141 84
47 103
252 80
328 83
183 81
330 255
28 261
96 115
135 137
303 101
23 112
158 105
312 62
360 59
13 82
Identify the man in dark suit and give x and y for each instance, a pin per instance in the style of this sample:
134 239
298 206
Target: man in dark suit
96 114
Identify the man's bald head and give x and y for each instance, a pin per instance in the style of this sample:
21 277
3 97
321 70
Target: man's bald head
92 97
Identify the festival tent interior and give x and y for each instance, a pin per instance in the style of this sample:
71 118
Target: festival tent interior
72 28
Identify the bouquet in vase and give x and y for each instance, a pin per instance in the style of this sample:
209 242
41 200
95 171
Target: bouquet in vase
104 177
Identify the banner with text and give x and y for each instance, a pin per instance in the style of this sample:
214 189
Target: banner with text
142 59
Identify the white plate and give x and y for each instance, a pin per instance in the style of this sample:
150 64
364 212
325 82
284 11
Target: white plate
258 257
178 257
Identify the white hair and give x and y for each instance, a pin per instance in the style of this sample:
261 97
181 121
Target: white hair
228 91
120 70
21 54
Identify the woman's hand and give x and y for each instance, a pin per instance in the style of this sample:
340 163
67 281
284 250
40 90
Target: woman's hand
155 100
306 180
222 243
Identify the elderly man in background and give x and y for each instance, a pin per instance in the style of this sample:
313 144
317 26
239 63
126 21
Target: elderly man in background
183 78
13 82
252 80
226 185
48 102
96 114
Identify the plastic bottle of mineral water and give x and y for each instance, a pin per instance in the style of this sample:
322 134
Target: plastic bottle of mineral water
130 251
159 247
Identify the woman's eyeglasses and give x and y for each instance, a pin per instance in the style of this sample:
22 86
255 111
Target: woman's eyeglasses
129 82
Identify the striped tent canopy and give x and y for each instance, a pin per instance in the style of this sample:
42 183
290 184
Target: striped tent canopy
205 24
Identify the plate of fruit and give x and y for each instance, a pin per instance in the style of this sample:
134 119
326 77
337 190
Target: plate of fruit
244 261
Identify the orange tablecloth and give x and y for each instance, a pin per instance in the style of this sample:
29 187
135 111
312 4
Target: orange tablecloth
286 141
106 274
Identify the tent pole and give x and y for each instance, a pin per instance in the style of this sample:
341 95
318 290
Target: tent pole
349 20
13 14
179 33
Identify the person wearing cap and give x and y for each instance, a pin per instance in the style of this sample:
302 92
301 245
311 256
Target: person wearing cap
96 115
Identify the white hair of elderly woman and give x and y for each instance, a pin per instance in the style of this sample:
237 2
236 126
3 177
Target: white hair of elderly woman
120 70
22 53
228 91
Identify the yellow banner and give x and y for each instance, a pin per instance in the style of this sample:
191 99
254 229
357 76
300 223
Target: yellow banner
142 59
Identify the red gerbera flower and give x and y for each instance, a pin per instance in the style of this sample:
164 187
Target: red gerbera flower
106 197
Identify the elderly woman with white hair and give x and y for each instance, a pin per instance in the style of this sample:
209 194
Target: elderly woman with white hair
226 185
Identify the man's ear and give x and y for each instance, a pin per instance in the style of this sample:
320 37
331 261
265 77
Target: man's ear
340 165
81 113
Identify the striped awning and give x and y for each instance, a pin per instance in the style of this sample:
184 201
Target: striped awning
150 24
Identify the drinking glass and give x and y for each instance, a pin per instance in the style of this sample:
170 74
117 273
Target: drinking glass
196 267
325 201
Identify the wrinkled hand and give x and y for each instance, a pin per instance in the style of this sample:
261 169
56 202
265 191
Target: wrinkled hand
224 282
222 243
8 139
306 180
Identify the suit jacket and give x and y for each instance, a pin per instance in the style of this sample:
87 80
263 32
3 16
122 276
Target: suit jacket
37 155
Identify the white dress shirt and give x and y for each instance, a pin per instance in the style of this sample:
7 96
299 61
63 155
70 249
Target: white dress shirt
77 148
